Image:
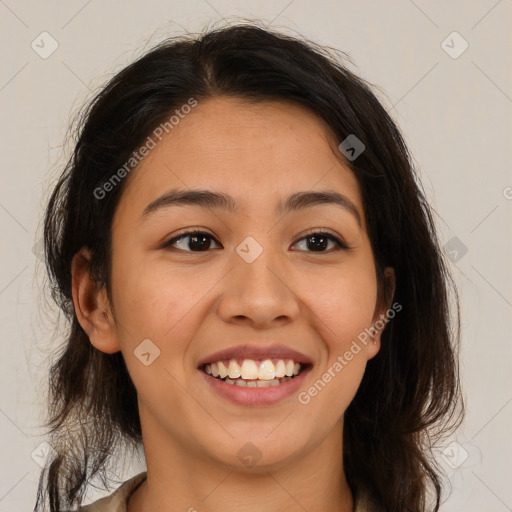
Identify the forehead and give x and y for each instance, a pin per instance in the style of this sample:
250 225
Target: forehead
256 152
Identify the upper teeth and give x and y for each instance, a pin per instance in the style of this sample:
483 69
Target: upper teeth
251 369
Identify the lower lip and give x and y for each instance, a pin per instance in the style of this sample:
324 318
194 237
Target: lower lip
256 396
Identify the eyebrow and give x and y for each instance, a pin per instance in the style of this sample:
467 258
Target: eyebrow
208 199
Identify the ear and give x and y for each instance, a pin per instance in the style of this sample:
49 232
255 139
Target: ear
382 315
91 304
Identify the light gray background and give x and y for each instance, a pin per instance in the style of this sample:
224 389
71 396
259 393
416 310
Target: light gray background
454 112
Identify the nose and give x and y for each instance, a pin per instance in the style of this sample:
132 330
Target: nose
259 294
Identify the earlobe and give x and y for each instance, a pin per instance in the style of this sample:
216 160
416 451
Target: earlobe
372 348
91 305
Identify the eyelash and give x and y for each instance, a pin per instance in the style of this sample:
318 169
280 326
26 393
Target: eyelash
341 245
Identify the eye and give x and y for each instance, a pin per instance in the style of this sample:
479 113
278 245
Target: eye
318 241
199 241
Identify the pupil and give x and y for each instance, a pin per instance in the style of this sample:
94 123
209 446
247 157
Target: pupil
317 239
202 244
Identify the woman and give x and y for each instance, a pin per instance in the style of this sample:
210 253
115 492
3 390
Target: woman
254 286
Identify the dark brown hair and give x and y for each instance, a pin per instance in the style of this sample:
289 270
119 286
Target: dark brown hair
410 391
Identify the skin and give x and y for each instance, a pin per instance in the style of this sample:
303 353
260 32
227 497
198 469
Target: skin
191 304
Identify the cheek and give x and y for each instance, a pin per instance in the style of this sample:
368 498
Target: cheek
154 306
151 297
344 302
343 311
343 307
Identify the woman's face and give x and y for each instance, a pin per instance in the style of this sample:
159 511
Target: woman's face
255 276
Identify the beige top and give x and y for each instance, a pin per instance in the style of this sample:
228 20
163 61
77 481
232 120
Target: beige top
116 502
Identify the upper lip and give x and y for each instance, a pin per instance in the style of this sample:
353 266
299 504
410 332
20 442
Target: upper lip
258 351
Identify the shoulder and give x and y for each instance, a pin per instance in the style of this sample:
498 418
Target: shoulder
116 502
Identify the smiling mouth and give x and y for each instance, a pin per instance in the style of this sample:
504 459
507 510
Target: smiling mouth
253 373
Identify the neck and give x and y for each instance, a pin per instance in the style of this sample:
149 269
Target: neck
179 479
